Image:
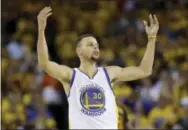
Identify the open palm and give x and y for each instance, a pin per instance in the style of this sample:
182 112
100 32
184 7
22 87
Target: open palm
42 17
153 28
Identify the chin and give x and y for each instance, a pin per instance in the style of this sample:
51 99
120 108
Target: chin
95 58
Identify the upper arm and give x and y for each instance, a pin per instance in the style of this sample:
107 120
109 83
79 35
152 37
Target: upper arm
126 74
59 72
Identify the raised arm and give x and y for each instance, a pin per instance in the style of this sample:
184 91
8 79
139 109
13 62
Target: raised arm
145 68
60 72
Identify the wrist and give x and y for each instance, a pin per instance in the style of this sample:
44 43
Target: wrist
151 40
41 29
152 36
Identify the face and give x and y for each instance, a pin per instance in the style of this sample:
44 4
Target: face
139 107
186 110
89 49
163 101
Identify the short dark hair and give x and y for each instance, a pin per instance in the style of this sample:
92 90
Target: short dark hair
82 37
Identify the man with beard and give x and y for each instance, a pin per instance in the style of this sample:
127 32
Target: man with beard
91 100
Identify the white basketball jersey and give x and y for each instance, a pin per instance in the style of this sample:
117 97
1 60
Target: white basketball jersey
92 102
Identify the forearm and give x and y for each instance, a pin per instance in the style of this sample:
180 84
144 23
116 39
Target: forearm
42 49
148 59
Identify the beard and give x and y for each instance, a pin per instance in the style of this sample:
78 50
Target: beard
93 58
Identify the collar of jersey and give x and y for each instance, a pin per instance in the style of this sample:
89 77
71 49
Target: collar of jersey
87 75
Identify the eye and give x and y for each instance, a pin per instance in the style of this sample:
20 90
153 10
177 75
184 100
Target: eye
90 44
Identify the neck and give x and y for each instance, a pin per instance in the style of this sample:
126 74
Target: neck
88 67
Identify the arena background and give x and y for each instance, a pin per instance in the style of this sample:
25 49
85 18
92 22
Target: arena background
32 99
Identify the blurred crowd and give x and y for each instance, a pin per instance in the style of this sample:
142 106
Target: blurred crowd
159 101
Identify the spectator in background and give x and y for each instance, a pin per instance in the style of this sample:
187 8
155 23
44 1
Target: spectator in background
122 115
162 114
183 122
16 50
55 99
146 94
140 118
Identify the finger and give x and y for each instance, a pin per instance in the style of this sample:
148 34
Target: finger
151 20
156 20
48 9
45 11
145 23
48 15
41 14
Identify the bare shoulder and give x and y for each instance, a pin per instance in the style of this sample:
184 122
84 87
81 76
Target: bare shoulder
113 71
67 68
67 72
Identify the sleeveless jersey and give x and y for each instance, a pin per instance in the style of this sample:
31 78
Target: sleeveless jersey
92 102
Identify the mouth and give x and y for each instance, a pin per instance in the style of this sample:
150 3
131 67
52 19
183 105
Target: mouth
96 52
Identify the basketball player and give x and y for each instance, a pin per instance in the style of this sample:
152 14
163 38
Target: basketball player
89 88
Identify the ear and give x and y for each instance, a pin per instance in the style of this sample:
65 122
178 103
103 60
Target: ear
78 51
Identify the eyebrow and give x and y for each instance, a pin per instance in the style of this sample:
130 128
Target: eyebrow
93 42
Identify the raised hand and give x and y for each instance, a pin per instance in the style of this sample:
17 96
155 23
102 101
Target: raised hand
42 17
153 28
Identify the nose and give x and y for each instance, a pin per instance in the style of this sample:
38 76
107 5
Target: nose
96 48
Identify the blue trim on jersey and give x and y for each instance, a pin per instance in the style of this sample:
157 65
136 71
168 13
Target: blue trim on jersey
72 81
87 75
73 76
108 79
